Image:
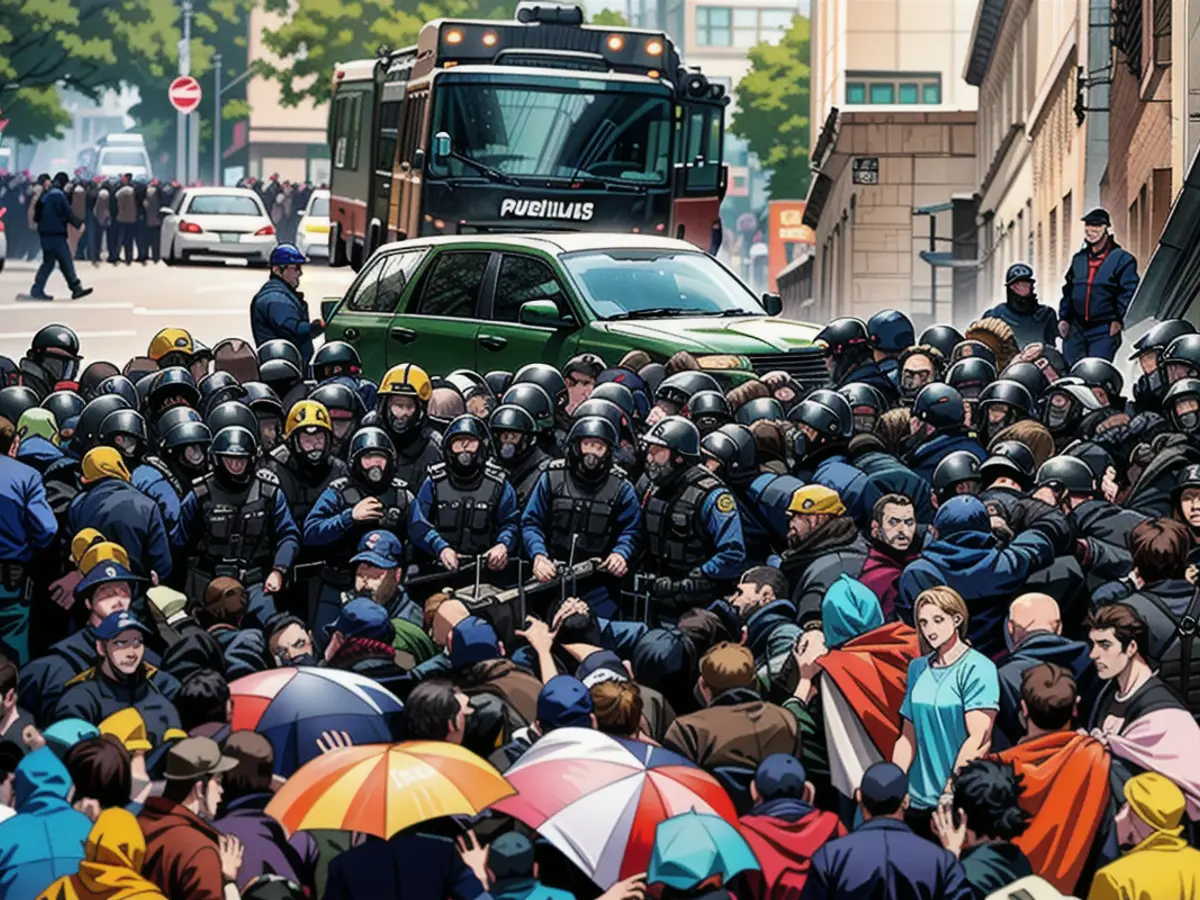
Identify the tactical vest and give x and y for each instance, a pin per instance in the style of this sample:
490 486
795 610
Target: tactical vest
525 474
395 499
676 540
576 509
239 527
301 493
159 466
464 516
414 459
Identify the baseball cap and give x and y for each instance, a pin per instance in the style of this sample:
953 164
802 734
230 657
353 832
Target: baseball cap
816 499
884 785
106 572
381 549
1097 216
510 856
64 734
127 726
780 775
363 617
600 666
194 758
564 702
118 622
473 640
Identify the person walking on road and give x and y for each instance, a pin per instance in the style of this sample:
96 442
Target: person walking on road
54 215
278 309
1096 292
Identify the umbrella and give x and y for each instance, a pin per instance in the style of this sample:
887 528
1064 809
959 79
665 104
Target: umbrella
291 707
693 847
598 799
384 788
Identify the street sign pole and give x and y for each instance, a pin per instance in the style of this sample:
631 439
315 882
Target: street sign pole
216 127
181 119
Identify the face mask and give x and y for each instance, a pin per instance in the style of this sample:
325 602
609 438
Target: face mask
304 659
592 463
314 457
399 424
911 384
864 424
1188 421
373 475
1022 305
508 451
1056 416
658 472
465 460
192 457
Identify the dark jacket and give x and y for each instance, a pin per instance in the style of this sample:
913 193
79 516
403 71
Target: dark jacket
856 489
55 214
924 459
268 849
883 860
26 521
1035 649
373 659
812 568
1106 297
93 697
279 312
1104 527
126 516
1157 604
38 453
244 649
891 476
1040 326
737 729
406 867
869 372
1151 493
991 866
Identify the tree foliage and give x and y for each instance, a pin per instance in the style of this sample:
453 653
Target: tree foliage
609 17
773 110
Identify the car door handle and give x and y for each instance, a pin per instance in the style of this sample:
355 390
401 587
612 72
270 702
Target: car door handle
491 342
350 334
403 335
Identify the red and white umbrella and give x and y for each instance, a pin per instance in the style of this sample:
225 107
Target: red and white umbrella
598 799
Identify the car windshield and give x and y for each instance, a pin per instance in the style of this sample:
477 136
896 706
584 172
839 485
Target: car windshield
320 206
631 283
223 205
524 130
123 158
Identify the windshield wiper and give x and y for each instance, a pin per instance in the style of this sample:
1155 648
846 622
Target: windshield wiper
729 313
655 312
484 169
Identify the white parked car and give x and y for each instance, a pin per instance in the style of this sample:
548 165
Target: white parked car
3 241
217 222
312 235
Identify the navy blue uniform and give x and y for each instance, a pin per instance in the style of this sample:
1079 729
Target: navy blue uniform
125 516
53 218
468 521
924 459
1096 292
366 390
279 312
1039 326
26 524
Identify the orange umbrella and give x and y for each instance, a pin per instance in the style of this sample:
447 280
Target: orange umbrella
381 789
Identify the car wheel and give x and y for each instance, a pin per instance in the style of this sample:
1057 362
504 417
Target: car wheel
169 257
2 264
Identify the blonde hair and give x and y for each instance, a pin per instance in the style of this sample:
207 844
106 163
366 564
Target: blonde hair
948 601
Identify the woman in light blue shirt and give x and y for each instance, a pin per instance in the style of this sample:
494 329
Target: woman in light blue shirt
950 704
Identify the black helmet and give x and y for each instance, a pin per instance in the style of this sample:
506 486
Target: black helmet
234 442
709 410
15 400
585 465
1188 422
1060 419
334 355
340 397
1184 351
605 409
87 429
545 376
174 417
169 385
616 393
826 421
280 375
1067 473
372 440
231 413
859 393
1018 272
218 387
836 401
56 349
92 376
186 434
734 446
939 406
498 381
1028 376
677 434
280 349
954 469
680 387
1009 392
1161 335
943 337
261 398
652 374
119 384
125 430
1099 373
843 335
470 384
758 409
517 420
971 349
66 405
1097 458
890 331
1188 478
534 400
970 376
466 465
1012 459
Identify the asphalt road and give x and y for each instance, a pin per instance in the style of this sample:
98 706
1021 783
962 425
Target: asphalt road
131 303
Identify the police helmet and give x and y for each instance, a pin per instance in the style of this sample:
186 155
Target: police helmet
843 335
176 416
1161 335
595 428
734 446
469 384
858 393
972 349
371 439
677 434
280 348
710 405
306 414
287 255
279 375
1074 388
545 376
535 401
1184 388
87 429
55 340
65 405
1018 272
1012 459
498 381
1096 372
235 441
758 409
173 382
943 337
1184 350
835 401
185 434
618 394
261 398
652 375
954 469
218 387
825 421
586 465
334 355
1010 392
890 331
119 384
514 419
1096 457
468 462
125 430
1028 376
605 409
940 406
682 386
339 398
970 376
91 377
1067 473
15 400
231 413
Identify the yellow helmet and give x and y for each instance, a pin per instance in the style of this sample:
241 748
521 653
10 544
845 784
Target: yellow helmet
84 539
307 414
815 500
170 340
101 552
103 462
409 380
128 727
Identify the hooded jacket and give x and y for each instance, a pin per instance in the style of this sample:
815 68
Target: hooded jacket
1035 649
925 457
126 516
26 521
38 453
784 834
892 476
45 839
112 864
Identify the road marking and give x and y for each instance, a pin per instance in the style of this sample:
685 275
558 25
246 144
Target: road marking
185 311
222 288
26 335
41 305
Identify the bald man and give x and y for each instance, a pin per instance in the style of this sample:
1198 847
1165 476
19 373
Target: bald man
1033 632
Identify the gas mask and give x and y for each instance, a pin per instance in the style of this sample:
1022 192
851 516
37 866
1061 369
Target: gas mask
1188 422
659 473
508 452
911 382
1059 408
192 458
864 423
59 368
464 464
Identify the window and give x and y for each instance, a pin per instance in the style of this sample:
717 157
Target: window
745 27
856 92
397 269
522 279
452 286
883 93
224 205
907 88
772 23
931 93
910 93
713 26
1068 222
389 124
363 299
348 122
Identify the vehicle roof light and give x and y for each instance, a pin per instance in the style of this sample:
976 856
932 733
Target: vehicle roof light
490 39
615 43
454 36
654 47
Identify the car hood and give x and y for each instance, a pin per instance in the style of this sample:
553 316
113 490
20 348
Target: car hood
707 334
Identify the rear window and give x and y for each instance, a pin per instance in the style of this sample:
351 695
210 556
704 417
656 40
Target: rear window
110 157
320 207
224 205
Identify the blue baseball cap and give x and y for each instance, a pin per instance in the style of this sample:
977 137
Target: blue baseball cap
118 622
473 640
64 734
380 548
105 573
564 702
363 617
884 785
780 775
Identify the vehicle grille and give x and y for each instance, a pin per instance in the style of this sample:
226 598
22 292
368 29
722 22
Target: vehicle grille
806 365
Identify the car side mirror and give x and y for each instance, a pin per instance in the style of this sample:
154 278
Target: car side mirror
441 148
166 211
544 314
418 160
301 214
772 303
328 306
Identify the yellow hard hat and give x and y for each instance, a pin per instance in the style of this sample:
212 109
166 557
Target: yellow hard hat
307 414
174 734
84 539
128 727
103 462
816 500
170 340
407 380
100 552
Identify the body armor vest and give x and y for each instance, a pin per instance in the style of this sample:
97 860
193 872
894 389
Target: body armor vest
297 483
576 509
414 458
239 527
395 499
525 474
677 541
464 516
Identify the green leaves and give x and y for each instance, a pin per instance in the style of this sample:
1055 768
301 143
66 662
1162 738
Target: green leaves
773 110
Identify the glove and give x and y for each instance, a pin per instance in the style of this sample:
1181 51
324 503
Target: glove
316 327
662 587
171 604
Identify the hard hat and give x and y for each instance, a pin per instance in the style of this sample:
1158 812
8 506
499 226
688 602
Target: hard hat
407 380
84 539
102 552
307 414
287 255
128 727
816 499
103 462
170 340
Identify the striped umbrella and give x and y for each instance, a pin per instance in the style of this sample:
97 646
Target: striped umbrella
599 799
292 707
384 788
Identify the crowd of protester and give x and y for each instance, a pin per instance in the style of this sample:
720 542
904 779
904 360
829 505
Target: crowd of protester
930 627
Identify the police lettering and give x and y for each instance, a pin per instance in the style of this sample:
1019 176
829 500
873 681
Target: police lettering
545 209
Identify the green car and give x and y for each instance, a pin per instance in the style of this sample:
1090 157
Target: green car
496 302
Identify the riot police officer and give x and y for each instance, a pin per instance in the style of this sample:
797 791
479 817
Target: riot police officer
1102 379
1001 404
709 410
891 333
673 395
1069 407
517 451
125 430
730 453
550 380
692 530
268 409
470 507
584 506
866 404
1030 321
346 411
402 411
535 401
849 356
957 473
169 389
218 388
182 457
66 406
1151 386
824 424
235 523
53 357
938 429
969 376
337 362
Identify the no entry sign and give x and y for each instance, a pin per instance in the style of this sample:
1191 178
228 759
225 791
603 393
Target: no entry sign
184 93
